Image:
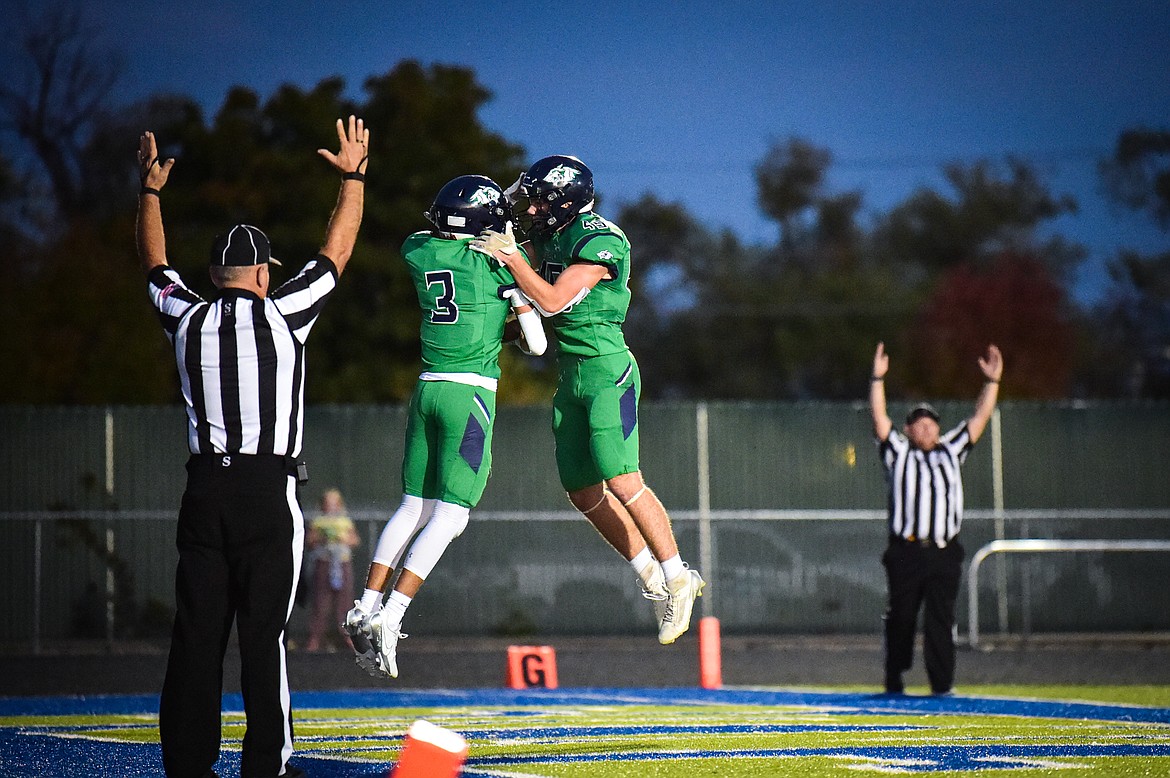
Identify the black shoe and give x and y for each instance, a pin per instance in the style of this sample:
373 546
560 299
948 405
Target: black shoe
943 692
894 685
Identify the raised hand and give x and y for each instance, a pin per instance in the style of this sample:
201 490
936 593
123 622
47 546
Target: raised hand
353 153
992 364
151 172
881 361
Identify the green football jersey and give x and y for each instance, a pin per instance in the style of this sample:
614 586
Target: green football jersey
462 311
593 326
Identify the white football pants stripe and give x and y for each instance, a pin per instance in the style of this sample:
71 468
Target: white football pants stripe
298 550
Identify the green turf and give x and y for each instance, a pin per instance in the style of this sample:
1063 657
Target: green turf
946 730
1155 696
513 732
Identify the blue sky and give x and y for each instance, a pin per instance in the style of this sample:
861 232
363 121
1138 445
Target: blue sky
682 99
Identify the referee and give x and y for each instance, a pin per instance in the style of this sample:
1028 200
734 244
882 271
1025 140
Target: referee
241 365
925 505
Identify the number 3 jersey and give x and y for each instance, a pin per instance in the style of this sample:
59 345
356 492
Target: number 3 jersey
592 326
459 292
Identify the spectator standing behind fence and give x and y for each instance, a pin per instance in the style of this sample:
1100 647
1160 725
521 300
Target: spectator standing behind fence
240 534
331 540
924 557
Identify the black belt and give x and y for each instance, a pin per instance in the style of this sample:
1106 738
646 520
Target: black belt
293 466
898 540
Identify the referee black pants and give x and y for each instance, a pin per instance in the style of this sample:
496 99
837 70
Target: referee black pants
926 577
240 540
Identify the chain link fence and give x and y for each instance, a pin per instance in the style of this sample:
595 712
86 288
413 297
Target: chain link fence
781 503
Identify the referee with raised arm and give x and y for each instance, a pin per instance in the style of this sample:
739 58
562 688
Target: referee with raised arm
241 366
924 557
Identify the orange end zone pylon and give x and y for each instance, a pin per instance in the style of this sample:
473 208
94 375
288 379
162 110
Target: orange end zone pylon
531 666
710 654
430 751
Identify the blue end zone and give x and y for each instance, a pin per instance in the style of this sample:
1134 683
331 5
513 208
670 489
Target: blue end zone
846 703
25 753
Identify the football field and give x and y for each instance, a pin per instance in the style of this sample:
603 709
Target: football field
674 732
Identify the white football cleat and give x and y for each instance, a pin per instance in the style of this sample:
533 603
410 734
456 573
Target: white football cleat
384 640
682 592
357 626
653 584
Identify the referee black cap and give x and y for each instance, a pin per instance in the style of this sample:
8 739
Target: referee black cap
920 410
241 246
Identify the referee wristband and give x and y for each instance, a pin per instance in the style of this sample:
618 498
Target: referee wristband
875 378
147 190
989 381
354 176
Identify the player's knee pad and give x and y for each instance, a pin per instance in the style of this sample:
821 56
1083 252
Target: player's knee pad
446 523
637 494
594 506
411 515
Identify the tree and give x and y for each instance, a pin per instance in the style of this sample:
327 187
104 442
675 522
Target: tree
799 319
789 182
425 132
13 214
1132 354
56 94
679 271
714 318
1015 303
1138 175
993 208
253 162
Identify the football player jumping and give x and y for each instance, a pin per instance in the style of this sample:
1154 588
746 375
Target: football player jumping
582 284
449 429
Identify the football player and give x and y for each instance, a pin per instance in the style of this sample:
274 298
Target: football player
575 268
464 302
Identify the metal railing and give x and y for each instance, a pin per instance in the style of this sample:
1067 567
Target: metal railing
1036 545
812 570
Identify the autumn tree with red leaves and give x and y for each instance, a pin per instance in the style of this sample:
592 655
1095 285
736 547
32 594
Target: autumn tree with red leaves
1014 303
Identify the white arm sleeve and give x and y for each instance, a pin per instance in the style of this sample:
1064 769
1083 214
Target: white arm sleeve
530 324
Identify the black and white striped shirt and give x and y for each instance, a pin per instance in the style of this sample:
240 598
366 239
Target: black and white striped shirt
241 358
925 487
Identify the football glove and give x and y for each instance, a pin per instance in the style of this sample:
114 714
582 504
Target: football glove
490 241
